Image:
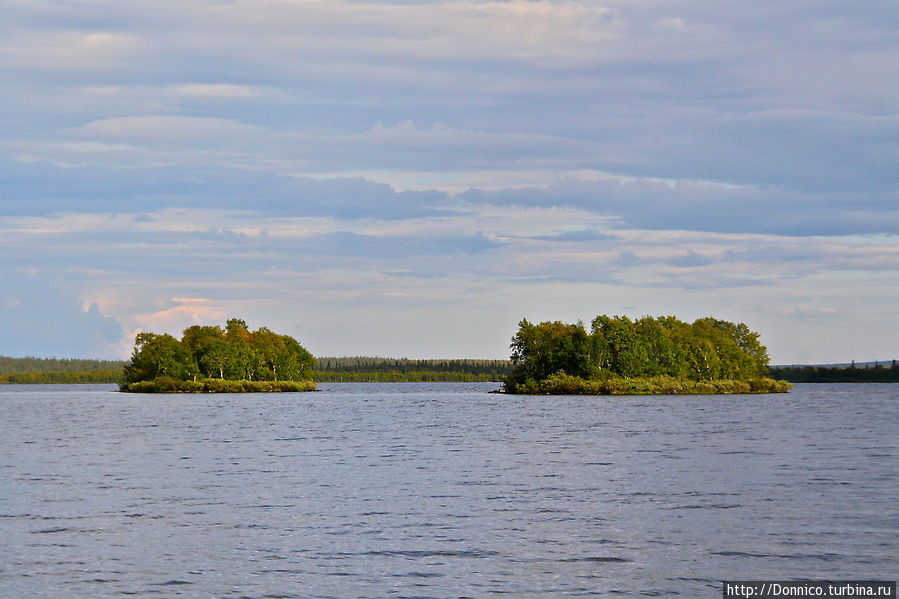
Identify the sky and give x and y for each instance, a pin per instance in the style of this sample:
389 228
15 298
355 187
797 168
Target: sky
412 178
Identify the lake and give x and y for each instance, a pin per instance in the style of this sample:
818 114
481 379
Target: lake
442 490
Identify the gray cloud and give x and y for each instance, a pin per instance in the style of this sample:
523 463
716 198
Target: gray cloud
768 94
41 189
576 236
703 207
689 260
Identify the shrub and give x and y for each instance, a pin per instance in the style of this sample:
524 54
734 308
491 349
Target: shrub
730 386
293 386
767 385
561 384
223 386
667 385
255 386
615 386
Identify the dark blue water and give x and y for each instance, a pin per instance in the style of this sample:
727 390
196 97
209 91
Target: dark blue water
441 490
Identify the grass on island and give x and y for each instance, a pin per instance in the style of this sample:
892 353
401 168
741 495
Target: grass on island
564 384
172 385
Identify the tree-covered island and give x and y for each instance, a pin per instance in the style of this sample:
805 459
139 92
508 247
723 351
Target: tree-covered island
209 359
620 356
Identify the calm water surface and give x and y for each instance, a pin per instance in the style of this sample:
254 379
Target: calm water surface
441 490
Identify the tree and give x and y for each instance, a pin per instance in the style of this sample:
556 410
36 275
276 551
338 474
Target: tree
750 357
158 356
242 360
660 356
623 350
297 362
549 347
209 350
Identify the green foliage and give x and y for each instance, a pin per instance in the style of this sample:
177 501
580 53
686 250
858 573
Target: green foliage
158 356
281 357
206 353
209 349
649 355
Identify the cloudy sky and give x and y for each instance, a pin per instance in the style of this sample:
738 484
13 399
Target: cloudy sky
411 178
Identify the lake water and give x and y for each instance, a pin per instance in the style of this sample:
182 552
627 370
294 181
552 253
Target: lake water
441 490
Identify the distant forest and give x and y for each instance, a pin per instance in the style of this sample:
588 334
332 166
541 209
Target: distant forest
876 373
56 370
373 369
394 370
19 365
328 369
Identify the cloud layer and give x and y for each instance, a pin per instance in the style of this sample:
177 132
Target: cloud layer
411 178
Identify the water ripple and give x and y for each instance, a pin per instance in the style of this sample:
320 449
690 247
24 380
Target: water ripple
441 491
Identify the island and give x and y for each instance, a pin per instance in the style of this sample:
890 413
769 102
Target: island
620 356
209 359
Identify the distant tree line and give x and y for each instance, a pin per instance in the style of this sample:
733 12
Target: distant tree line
877 373
409 376
167 357
617 348
32 378
47 365
209 352
370 369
